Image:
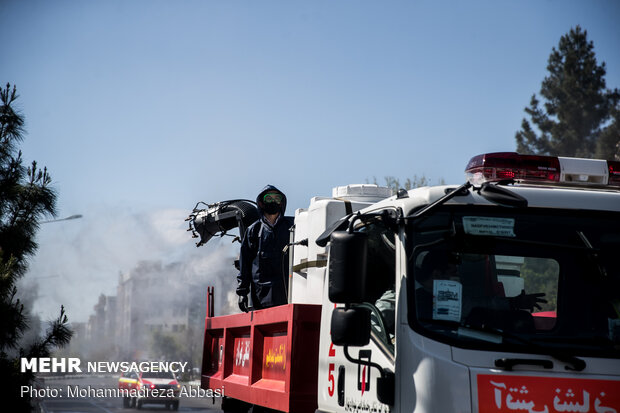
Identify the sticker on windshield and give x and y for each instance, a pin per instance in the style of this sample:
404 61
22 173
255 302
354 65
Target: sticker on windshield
447 298
499 227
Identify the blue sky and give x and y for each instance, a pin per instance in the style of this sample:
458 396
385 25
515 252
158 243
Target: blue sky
140 109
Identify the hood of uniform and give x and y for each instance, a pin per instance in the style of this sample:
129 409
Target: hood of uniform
270 188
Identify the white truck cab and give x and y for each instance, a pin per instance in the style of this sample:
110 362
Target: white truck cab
506 294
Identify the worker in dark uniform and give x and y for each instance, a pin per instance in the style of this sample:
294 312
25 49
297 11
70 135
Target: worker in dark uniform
260 260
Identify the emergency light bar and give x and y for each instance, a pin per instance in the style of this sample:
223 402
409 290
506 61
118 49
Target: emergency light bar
498 166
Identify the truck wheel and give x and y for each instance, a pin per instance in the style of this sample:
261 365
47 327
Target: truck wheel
139 405
175 405
230 405
126 402
132 402
261 409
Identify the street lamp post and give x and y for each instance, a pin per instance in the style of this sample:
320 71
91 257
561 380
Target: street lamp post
76 216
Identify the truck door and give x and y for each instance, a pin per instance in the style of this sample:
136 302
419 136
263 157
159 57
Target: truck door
348 386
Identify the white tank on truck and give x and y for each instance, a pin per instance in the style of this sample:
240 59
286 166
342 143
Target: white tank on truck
498 295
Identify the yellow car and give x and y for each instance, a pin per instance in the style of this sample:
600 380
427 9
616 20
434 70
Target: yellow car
155 387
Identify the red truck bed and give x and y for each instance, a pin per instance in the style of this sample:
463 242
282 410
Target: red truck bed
266 357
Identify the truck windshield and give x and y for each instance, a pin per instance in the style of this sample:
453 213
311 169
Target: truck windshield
547 278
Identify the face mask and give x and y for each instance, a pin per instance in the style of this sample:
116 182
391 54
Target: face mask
271 208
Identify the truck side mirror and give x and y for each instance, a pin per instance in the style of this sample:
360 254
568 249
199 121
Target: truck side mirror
347 267
350 326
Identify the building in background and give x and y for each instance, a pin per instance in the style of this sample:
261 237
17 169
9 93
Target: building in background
155 315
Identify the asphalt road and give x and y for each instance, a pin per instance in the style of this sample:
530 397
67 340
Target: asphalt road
57 397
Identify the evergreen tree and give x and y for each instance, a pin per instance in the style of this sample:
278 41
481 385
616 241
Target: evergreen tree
577 104
26 196
608 145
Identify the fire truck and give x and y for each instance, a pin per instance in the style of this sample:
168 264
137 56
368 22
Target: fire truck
498 295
